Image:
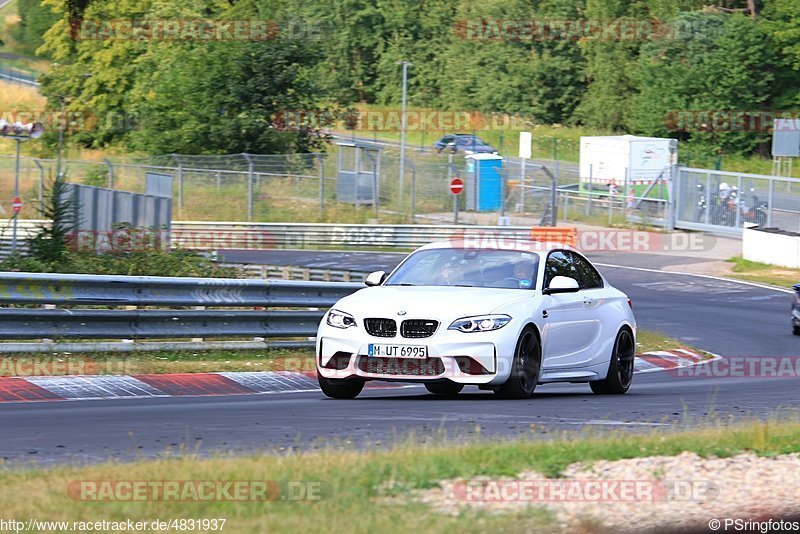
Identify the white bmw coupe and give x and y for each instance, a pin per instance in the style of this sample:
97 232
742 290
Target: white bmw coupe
502 319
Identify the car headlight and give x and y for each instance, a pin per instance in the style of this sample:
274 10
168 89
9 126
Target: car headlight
481 323
340 319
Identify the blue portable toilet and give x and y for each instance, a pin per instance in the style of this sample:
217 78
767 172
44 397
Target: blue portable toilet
484 182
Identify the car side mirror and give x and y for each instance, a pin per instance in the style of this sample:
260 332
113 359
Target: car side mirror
561 284
375 279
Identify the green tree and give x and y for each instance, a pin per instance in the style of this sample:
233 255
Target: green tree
727 64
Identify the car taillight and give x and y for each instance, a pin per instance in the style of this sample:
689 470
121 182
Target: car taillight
630 303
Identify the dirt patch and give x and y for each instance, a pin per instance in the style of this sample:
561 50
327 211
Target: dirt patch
640 494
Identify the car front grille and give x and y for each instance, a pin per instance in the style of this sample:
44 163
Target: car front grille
418 328
381 327
401 366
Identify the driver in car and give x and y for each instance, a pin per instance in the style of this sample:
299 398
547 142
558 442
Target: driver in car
449 273
523 274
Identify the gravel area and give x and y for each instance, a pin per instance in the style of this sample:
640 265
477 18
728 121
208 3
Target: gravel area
640 494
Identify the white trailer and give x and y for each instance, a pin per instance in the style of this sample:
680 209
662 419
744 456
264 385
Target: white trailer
625 160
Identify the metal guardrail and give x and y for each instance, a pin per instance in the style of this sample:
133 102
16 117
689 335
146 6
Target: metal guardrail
236 235
209 235
291 272
115 291
18 76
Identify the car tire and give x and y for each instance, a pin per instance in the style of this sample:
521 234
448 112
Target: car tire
620 369
525 368
796 330
340 388
444 389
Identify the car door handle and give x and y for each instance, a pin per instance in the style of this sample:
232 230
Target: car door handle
588 300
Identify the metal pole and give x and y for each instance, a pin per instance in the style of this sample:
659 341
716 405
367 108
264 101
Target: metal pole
589 191
555 156
321 162
770 200
357 177
110 173
455 207
413 190
403 130
16 194
249 187
41 183
60 140
522 184
502 194
739 197
180 184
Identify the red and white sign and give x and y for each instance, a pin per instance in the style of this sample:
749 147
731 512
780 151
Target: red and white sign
456 186
16 205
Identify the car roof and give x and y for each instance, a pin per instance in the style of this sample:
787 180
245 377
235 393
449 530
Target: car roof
490 242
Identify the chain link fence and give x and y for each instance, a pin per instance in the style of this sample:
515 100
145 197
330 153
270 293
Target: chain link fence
303 188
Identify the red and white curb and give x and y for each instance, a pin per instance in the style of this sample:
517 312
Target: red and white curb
667 360
86 387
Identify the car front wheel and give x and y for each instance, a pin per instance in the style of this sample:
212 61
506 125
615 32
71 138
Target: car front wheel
620 369
525 367
340 388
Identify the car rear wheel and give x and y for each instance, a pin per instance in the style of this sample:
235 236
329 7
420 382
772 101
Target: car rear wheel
525 368
340 388
620 369
444 389
796 330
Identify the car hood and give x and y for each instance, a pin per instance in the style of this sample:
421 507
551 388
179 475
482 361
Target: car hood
430 302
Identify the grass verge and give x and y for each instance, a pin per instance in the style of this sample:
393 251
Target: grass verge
160 362
367 491
753 271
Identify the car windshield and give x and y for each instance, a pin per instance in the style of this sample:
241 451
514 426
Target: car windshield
470 141
509 269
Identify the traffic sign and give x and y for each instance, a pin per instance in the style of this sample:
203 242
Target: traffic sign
456 186
16 205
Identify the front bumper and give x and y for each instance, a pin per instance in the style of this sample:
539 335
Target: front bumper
481 358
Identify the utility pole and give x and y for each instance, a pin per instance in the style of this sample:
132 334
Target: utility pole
405 65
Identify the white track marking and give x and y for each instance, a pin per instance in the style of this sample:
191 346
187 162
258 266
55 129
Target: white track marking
707 276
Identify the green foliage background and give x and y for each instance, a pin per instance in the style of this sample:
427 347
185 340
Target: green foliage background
222 96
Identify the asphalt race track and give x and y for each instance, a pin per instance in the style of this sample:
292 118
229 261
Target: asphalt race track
731 319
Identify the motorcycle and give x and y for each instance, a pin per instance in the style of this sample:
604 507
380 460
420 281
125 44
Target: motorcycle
756 211
727 204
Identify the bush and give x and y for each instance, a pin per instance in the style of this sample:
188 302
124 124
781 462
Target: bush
134 263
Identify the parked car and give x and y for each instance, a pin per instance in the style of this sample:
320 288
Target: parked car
796 310
466 143
502 319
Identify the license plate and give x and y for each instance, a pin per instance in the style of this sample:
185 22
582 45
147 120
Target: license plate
398 351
